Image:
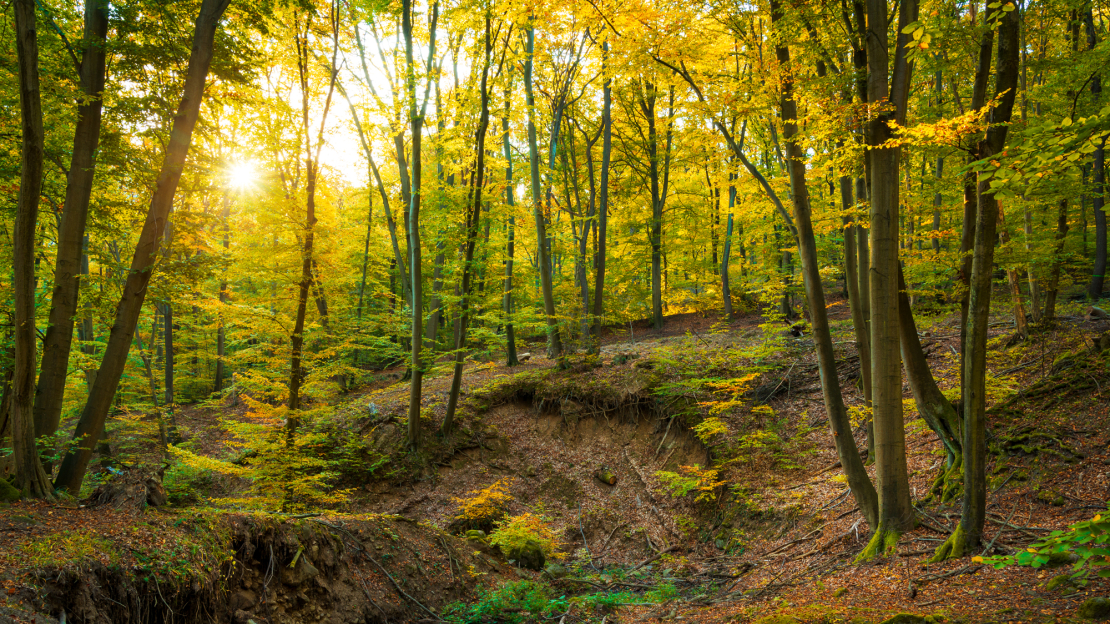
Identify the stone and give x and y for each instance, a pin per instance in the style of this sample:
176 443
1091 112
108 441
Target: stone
243 599
529 556
1095 609
303 571
905 618
556 571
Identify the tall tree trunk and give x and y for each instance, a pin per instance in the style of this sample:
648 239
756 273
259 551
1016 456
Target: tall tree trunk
1098 170
58 340
312 171
602 202
726 287
1053 285
968 534
554 343
858 481
855 298
30 478
1013 278
95 412
472 221
416 121
221 331
896 513
510 245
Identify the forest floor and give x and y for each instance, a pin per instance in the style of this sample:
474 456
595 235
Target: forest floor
771 536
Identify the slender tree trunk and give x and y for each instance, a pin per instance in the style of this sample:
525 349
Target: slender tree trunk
896 513
602 203
1098 170
58 340
931 403
858 481
30 478
221 331
312 169
1013 279
1053 285
554 343
95 412
726 287
472 221
855 298
968 534
510 245
416 121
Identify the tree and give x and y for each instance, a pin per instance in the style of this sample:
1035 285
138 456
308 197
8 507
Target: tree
71 229
968 534
91 423
896 513
30 478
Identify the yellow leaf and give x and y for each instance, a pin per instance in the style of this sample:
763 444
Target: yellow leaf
977 559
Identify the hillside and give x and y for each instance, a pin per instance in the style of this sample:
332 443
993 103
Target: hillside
771 536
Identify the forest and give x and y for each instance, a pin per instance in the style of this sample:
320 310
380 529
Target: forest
487 311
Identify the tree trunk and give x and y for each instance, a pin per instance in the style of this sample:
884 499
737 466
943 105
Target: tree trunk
602 203
1098 170
855 298
554 344
1013 279
221 331
510 245
726 288
30 478
858 481
931 403
472 221
312 170
95 412
1053 285
416 121
896 513
968 534
58 340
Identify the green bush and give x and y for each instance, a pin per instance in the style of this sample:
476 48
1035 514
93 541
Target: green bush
511 603
1088 541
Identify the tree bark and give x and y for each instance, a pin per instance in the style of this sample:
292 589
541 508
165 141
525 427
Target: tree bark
602 202
30 478
968 534
58 340
472 220
510 245
858 481
896 513
554 343
95 412
416 121
1098 171
1053 285
931 403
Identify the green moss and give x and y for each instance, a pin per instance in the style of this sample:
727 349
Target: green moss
883 542
67 547
8 493
953 548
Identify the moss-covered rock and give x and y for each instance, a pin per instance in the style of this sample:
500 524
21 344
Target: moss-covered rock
528 555
8 493
1095 609
906 618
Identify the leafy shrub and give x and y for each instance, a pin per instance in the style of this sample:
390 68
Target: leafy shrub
691 479
482 508
512 603
518 533
1088 540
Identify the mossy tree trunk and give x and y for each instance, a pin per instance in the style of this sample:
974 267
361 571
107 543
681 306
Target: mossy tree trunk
969 534
896 513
